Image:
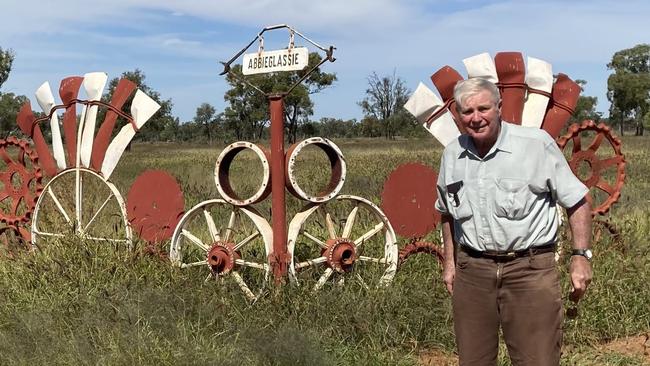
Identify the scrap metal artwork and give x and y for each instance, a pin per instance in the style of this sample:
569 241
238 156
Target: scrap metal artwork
79 198
154 206
597 164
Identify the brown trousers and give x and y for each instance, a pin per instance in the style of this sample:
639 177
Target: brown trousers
522 296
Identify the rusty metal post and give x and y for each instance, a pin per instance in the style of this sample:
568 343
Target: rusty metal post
278 207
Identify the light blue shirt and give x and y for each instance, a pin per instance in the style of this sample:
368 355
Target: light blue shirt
507 199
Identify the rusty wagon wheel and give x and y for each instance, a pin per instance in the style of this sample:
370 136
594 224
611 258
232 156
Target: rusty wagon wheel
226 242
602 172
79 201
348 235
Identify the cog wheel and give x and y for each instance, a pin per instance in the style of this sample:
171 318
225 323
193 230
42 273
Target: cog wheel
415 247
592 165
20 181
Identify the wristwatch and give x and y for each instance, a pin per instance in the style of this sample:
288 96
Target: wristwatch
583 252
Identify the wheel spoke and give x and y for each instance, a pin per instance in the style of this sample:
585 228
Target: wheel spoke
107 239
606 163
194 264
194 240
43 233
363 283
379 227
231 226
310 262
58 205
349 223
595 144
244 287
101 208
246 240
364 258
315 240
330 226
577 143
321 281
212 228
262 266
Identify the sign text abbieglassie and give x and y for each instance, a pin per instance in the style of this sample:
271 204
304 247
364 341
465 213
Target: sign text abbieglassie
272 61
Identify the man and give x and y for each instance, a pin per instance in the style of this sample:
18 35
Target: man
498 188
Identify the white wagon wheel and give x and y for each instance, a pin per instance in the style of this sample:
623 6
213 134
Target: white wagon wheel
80 201
225 241
348 235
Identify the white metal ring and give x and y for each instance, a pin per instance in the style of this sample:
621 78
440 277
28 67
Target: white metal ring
222 168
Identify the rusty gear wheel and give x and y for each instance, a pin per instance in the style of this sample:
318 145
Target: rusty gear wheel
415 247
597 163
20 179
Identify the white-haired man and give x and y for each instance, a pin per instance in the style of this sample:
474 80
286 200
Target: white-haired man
498 188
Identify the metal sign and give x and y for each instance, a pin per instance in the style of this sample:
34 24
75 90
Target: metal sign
290 59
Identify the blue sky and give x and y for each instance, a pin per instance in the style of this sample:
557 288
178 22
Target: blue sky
178 43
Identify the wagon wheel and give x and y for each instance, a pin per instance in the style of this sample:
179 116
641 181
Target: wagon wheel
224 241
602 172
20 181
348 235
81 202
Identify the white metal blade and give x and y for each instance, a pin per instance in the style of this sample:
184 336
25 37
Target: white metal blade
45 99
142 108
93 84
424 102
481 66
539 75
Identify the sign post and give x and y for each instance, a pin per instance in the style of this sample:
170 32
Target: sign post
289 59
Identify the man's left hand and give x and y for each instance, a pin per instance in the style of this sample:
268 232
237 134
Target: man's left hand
580 272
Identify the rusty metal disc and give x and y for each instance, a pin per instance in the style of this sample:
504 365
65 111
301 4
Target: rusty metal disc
154 205
415 247
597 163
408 200
337 165
20 181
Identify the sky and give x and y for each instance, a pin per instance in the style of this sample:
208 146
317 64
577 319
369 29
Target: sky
178 43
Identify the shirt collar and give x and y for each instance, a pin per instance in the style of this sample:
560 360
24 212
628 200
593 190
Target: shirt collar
503 143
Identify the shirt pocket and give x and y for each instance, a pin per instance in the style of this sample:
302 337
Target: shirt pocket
513 198
459 205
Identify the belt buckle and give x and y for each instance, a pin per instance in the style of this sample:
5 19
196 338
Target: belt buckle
507 255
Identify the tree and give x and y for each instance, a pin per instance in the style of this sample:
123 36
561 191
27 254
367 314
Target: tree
159 126
385 96
586 106
628 88
248 115
6 60
206 117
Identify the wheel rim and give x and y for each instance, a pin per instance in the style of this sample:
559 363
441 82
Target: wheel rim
224 242
79 201
349 237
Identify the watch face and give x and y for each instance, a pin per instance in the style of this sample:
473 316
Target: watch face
588 254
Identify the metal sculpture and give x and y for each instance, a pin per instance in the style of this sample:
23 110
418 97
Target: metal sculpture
597 164
154 206
94 209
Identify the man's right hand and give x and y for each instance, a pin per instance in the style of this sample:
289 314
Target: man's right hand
448 274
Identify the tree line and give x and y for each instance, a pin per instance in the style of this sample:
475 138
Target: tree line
246 116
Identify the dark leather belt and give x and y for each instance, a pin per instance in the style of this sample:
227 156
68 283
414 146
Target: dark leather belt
504 256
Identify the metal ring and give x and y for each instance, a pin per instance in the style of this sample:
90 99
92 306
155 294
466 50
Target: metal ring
222 179
337 164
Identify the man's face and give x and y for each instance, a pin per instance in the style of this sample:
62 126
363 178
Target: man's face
481 118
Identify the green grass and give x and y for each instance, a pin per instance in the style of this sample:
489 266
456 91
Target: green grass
84 303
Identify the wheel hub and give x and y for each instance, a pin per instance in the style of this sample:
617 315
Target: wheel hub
221 258
341 254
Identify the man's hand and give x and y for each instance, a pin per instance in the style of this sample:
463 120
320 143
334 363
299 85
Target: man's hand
448 274
580 272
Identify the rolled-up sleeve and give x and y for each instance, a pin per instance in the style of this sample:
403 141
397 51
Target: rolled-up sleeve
565 186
